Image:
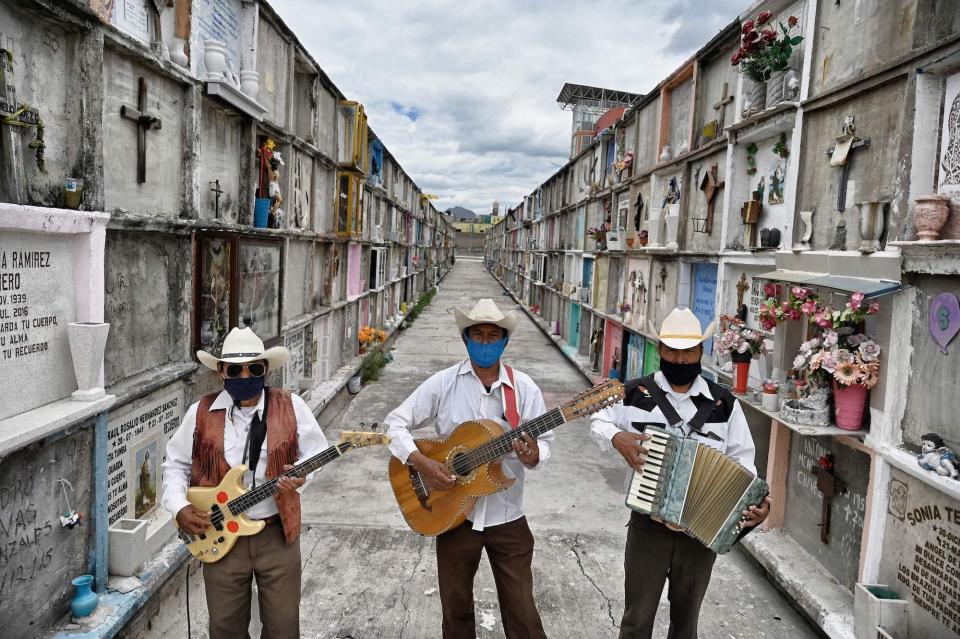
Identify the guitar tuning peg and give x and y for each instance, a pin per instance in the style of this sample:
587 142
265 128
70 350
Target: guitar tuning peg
375 426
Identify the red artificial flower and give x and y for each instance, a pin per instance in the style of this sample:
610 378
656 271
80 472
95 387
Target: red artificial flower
764 17
751 37
747 26
737 57
825 462
768 35
792 21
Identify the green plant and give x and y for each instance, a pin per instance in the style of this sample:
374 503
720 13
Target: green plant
751 159
780 148
373 363
421 304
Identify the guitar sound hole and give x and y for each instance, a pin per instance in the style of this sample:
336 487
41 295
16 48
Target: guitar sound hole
461 464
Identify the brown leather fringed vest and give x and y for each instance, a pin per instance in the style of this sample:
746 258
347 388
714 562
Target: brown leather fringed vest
210 465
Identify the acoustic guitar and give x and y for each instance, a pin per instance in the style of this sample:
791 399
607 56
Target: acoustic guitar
472 454
227 502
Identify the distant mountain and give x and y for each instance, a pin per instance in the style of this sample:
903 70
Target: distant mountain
460 213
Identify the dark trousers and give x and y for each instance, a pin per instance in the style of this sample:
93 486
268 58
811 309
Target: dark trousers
654 553
228 586
510 551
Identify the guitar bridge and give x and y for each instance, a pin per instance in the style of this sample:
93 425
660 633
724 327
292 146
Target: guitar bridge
419 488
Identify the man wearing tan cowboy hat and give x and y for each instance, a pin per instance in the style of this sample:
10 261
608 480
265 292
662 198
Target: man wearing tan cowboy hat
655 552
268 429
480 387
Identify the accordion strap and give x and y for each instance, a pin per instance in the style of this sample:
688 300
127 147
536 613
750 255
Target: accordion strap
670 413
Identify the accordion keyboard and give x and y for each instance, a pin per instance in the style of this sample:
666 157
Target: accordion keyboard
645 486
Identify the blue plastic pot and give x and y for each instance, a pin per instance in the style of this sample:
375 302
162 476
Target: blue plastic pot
84 599
261 212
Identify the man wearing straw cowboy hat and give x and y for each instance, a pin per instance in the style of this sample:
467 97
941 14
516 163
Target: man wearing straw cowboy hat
480 387
268 429
656 551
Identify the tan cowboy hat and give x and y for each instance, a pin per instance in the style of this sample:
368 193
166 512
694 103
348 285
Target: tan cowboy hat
485 312
243 345
681 329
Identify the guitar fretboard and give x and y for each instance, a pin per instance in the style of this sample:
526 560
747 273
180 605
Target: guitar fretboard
269 488
503 444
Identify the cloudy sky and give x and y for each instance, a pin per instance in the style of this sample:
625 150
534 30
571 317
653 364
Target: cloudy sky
463 93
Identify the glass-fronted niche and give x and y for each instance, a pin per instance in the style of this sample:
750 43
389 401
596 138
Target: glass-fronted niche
238 284
349 204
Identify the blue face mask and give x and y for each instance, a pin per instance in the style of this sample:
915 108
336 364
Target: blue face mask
244 388
485 355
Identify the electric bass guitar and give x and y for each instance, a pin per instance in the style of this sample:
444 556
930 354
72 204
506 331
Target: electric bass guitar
472 454
227 502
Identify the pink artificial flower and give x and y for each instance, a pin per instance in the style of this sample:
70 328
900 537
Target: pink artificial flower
825 322
808 308
873 308
794 314
800 293
856 301
829 364
771 290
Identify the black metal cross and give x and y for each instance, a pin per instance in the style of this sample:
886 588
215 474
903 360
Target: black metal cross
829 486
144 122
847 159
217 191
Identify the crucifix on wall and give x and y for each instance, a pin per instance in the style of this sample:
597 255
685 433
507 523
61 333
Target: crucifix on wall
847 143
145 122
742 287
710 185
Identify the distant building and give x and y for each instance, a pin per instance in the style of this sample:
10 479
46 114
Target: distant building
588 104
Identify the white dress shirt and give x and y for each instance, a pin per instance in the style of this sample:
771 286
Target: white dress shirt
456 395
735 440
176 468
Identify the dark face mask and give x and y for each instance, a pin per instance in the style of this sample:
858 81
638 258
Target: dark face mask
244 388
680 374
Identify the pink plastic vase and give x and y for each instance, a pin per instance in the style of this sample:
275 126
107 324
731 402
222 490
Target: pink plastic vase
850 402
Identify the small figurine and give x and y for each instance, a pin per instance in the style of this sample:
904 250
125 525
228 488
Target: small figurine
273 190
937 457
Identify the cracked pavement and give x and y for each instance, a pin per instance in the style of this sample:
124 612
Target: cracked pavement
367 575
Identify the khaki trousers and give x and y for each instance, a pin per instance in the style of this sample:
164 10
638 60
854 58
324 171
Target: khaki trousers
228 585
653 554
509 548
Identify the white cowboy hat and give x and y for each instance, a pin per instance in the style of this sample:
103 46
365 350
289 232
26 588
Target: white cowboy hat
485 312
681 329
243 345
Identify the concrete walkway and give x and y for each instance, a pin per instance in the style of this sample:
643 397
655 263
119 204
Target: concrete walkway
367 575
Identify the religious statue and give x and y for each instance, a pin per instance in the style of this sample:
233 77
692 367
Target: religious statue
638 216
937 457
673 192
776 184
273 191
638 298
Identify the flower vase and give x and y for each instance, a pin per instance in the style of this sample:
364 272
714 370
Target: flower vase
850 402
215 59
757 99
872 222
774 93
84 600
88 341
770 401
177 52
741 371
930 215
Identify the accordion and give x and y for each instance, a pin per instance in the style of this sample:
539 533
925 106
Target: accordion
695 488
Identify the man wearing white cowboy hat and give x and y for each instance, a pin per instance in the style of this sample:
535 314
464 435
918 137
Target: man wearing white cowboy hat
480 387
268 429
710 414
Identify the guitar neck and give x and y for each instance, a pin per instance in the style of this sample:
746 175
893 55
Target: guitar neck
503 444
269 488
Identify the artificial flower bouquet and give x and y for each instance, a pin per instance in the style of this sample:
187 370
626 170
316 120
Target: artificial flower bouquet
763 51
741 342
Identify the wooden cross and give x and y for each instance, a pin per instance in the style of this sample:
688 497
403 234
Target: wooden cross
217 191
742 287
829 485
710 185
144 122
721 108
842 155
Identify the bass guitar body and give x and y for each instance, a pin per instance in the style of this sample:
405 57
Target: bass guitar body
432 512
217 540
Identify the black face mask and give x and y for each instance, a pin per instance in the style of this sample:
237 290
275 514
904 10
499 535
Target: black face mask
680 374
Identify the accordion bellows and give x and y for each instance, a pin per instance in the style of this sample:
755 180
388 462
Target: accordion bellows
694 487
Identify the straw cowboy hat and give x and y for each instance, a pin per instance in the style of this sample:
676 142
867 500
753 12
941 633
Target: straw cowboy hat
243 345
681 329
485 312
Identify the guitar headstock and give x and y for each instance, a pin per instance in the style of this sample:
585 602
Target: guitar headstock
593 399
362 439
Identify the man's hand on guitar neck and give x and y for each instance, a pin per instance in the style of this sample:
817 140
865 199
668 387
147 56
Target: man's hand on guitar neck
628 445
192 520
437 475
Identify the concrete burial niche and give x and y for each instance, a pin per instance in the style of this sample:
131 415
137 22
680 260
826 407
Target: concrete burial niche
51 274
920 558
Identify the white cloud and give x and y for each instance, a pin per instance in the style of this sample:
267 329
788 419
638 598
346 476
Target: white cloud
463 93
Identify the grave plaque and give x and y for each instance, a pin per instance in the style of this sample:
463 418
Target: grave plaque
137 436
37 302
